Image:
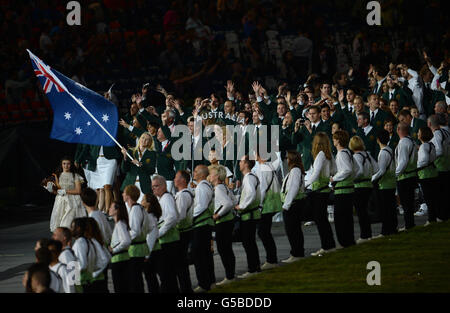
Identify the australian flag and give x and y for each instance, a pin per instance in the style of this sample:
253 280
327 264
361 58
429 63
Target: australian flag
77 111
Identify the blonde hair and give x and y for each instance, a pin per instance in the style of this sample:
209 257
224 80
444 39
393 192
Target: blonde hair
321 142
356 144
221 172
150 146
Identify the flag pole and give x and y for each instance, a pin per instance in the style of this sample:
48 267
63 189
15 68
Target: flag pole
98 123
79 102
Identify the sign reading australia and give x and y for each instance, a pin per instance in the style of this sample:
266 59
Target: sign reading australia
230 142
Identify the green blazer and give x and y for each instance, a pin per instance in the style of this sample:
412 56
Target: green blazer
370 141
144 172
378 121
393 142
403 97
302 139
164 161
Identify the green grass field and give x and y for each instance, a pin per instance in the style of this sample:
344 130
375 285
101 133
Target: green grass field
415 261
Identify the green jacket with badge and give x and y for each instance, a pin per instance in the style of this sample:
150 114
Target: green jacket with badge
144 172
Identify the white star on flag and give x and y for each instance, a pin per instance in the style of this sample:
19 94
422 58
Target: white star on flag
105 118
81 100
67 116
88 123
78 131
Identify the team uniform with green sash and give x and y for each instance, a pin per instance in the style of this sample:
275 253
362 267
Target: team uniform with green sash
271 204
224 203
169 238
428 178
250 213
363 189
385 178
184 201
318 182
406 173
202 234
84 251
441 141
120 242
343 198
293 199
138 250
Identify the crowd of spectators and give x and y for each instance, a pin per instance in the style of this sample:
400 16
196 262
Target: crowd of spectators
193 47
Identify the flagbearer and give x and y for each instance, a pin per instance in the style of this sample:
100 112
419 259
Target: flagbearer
202 230
249 209
169 236
139 170
405 172
139 227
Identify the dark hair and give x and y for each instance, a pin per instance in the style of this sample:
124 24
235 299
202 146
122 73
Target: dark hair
41 272
250 163
93 230
66 233
364 115
404 113
185 174
43 255
60 169
294 159
383 136
57 248
153 205
315 107
43 242
324 106
89 196
426 133
79 227
122 213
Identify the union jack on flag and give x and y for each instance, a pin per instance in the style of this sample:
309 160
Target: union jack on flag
43 70
77 111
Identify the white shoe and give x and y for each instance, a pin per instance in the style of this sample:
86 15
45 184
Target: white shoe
438 220
402 229
427 224
246 275
225 281
199 290
379 236
291 259
361 240
268 266
420 212
310 223
400 210
322 252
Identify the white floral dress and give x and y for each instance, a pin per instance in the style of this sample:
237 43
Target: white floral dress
67 207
